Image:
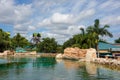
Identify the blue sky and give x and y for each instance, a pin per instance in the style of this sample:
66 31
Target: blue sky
60 19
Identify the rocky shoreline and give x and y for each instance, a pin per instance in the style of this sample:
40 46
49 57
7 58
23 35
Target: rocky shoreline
13 53
103 61
87 55
9 53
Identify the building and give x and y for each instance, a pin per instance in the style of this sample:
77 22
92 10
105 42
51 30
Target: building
117 44
108 49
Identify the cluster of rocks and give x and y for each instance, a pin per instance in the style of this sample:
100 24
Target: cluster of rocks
13 53
88 55
78 54
7 52
107 61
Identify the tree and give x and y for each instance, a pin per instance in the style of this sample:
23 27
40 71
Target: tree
97 31
48 45
5 41
117 40
19 41
82 30
69 43
36 38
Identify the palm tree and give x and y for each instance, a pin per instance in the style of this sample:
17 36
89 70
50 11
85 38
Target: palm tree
97 31
86 39
36 38
82 30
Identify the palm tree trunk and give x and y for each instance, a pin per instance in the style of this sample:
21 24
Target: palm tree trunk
97 49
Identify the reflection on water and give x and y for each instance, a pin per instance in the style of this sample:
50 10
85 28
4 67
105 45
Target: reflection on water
51 69
91 68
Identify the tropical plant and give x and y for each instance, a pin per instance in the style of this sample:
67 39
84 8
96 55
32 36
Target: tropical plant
19 41
5 42
36 38
97 31
69 43
48 45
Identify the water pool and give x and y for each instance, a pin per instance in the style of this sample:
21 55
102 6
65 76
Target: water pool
52 69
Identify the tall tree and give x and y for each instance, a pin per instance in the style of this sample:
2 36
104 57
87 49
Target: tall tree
98 31
36 38
82 30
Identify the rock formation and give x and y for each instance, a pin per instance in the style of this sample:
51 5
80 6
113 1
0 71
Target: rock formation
7 52
74 53
78 54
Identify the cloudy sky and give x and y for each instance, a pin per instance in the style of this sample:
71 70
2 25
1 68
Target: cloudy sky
58 18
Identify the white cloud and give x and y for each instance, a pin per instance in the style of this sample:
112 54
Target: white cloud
6 11
112 20
85 14
22 13
62 35
31 28
61 18
111 4
16 15
58 18
13 14
69 19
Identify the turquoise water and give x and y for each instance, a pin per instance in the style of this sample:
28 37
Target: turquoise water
52 69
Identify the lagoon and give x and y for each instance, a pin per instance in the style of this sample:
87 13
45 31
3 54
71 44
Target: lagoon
48 68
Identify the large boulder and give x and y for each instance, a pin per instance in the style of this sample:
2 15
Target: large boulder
74 53
8 52
79 54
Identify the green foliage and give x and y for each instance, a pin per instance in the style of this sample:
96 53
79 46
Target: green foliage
36 38
80 40
76 45
97 31
88 38
5 42
117 40
48 45
19 41
60 49
68 43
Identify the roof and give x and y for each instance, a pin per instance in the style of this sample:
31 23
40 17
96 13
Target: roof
115 49
104 46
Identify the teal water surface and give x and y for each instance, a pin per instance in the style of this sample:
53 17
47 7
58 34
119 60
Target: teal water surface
52 69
